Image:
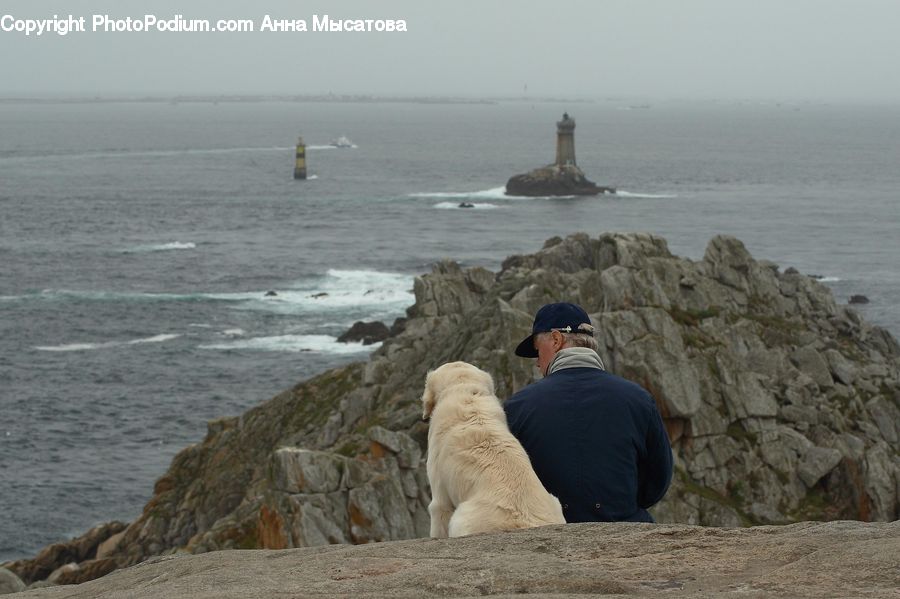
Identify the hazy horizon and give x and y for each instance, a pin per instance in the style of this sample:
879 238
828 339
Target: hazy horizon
831 51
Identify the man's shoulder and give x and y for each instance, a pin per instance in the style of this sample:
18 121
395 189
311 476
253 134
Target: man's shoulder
614 380
523 394
603 381
628 389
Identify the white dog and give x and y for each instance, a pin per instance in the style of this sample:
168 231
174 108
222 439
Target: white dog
481 478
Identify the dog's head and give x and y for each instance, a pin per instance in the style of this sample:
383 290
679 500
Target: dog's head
450 375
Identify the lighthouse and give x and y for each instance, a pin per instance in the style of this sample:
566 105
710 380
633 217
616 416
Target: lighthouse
565 141
563 177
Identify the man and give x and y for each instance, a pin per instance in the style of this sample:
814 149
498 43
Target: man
596 441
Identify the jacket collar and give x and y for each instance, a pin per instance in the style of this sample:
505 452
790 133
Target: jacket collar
575 357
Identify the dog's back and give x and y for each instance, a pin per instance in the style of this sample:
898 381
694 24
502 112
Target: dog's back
480 468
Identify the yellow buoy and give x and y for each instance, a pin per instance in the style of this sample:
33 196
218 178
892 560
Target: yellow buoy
300 165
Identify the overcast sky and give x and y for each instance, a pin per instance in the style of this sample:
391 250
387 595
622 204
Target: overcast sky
821 50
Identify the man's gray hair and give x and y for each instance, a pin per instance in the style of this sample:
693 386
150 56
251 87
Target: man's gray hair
578 340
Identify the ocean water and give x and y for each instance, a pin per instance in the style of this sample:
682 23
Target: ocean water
138 241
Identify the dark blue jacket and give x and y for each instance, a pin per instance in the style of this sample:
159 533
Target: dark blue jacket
596 441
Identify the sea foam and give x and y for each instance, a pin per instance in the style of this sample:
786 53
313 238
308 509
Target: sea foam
162 247
293 343
651 196
495 193
107 344
362 290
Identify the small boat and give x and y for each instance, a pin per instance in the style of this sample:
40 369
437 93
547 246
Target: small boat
342 142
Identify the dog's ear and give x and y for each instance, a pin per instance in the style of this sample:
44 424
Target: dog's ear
428 398
488 380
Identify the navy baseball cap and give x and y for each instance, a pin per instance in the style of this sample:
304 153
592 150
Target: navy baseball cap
563 317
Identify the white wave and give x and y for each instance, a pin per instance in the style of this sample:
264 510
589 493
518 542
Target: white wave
105 296
628 194
313 177
294 343
822 279
356 294
321 147
163 247
456 206
349 295
105 345
495 193
154 339
234 332
74 346
176 245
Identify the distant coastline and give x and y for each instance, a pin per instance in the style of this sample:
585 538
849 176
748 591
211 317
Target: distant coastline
621 102
240 98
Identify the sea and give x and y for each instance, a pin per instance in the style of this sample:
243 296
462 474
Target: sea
139 241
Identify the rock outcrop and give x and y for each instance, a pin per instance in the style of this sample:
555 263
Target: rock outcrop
367 332
781 405
73 561
10 583
836 559
554 180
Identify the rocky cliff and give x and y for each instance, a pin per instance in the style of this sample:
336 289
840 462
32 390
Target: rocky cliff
781 404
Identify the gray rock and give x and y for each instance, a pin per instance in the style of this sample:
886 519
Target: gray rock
319 519
454 292
41 584
764 512
331 430
554 180
10 583
743 393
62 571
357 473
798 414
880 484
378 512
367 332
812 363
851 446
296 470
816 463
886 417
409 454
729 261
107 547
842 369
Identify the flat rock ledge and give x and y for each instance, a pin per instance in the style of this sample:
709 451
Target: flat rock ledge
807 559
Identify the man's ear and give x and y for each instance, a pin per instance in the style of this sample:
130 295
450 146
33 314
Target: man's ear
558 340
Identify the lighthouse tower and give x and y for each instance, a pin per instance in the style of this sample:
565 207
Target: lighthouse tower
565 141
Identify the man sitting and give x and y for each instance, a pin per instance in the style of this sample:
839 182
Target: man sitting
596 441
